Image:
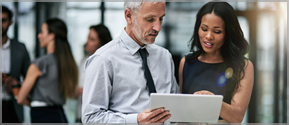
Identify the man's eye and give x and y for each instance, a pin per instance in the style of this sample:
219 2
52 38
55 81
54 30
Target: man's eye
4 20
150 20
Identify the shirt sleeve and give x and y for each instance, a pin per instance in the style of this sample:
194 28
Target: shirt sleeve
81 72
175 87
97 92
41 64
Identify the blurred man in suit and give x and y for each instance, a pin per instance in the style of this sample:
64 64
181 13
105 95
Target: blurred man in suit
15 62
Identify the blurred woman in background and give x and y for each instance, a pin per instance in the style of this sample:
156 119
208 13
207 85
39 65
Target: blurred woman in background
98 36
51 78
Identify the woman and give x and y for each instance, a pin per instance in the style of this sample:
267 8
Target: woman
217 64
51 78
98 36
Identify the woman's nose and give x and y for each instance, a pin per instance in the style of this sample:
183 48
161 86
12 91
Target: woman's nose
209 36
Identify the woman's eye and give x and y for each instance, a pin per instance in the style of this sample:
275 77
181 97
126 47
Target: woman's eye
218 32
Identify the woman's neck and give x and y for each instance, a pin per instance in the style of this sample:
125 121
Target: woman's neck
50 47
211 57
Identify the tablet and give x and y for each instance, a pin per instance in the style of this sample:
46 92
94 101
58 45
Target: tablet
188 107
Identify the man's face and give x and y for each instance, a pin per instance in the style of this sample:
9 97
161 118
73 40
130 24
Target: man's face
147 22
6 22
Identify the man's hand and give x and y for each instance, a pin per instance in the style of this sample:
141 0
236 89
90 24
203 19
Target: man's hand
8 82
4 76
155 116
204 92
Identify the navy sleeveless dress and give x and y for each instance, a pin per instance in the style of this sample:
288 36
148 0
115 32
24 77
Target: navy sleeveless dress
198 76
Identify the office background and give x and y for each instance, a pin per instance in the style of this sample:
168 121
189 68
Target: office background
264 25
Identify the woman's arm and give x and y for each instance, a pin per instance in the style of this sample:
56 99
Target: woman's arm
181 73
32 73
235 112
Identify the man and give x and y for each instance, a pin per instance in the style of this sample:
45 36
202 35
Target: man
15 62
120 75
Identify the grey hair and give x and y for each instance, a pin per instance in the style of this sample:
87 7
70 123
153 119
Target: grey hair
135 5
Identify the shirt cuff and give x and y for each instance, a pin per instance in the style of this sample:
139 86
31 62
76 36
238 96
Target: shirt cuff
131 118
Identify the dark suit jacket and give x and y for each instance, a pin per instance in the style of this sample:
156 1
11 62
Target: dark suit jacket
19 64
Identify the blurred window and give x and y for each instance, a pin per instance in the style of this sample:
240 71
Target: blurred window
79 17
26 24
114 18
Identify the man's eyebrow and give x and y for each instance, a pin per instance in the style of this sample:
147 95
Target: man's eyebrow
151 16
154 16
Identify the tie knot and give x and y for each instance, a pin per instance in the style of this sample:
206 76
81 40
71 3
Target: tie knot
143 53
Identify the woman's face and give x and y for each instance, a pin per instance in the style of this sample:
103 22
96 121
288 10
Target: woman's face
93 42
212 33
44 37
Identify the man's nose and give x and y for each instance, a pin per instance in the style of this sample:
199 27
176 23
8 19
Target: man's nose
157 26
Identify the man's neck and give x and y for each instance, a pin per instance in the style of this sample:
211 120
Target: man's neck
130 33
4 39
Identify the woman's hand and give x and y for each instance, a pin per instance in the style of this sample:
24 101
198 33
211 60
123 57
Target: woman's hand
78 92
204 92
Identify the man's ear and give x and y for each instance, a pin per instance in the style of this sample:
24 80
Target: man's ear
11 22
129 16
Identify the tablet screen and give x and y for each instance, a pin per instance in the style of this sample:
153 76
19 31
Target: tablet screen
188 107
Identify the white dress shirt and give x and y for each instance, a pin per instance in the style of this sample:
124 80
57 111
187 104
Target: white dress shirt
6 61
81 71
115 89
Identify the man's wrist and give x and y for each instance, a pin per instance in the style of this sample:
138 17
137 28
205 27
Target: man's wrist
18 85
131 118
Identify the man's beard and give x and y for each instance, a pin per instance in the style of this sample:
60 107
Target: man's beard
136 30
4 32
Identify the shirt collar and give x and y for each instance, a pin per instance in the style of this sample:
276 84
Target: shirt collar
7 44
132 45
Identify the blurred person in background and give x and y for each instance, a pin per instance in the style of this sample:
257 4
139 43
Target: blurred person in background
98 36
15 62
218 64
52 78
